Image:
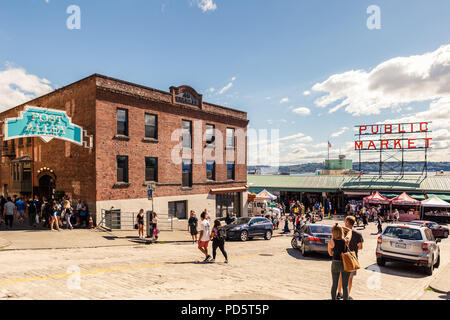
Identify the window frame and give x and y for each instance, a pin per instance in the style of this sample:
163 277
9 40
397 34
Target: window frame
155 126
127 126
126 177
233 172
233 145
183 172
155 172
211 143
183 121
213 170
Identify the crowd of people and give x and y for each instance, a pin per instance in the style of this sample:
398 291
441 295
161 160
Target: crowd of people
43 213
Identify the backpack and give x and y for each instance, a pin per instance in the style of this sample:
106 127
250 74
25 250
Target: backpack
221 234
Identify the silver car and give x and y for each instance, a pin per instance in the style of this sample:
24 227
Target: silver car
409 243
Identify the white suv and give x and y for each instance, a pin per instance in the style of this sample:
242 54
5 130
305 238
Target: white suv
409 243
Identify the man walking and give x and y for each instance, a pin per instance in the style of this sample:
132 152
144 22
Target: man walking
205 235
355 244
10 208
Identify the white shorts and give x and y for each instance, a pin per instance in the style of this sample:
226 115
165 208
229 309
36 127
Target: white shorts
21 213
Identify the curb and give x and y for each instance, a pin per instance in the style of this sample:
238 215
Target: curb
4 243
435 283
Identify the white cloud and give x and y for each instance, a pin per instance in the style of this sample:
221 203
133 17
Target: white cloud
17 86
391 84
340 132
306 93
302 111
206 5
284 100
227 87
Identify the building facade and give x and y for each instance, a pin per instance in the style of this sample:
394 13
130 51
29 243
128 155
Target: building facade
191 153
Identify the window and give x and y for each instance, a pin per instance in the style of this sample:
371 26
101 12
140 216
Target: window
187 134
151 126
230 170
210 135
20 142
228 203
210 170
187 173
178 209
151 169
29 141
122 169
122 122
230 138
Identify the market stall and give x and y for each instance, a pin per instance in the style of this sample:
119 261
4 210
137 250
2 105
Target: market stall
408 207
435 208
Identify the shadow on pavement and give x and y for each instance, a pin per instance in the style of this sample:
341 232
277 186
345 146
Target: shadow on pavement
311 256
399 269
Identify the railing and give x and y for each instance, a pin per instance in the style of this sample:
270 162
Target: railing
120 220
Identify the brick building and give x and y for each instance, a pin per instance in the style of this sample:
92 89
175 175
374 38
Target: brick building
193 153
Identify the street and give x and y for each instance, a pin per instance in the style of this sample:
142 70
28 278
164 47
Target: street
258 269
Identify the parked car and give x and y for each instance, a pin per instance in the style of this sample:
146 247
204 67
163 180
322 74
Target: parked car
312 238
438 230
409 243
248 227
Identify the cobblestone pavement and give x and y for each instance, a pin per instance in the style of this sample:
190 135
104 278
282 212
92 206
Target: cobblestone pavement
258 269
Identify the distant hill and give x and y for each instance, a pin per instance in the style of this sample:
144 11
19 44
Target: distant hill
365 166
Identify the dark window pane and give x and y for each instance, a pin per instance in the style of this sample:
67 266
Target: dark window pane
187 173
122 169
230 170
211 170
151 126
122 122
151 169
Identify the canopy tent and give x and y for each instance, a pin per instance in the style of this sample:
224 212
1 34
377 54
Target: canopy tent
435 202
376 198
404 200
265 195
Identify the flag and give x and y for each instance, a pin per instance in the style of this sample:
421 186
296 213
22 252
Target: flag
329 144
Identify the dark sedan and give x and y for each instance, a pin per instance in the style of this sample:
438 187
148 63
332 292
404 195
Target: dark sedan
246 228
314 238
438 230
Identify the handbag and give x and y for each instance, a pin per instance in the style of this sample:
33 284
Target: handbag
349 260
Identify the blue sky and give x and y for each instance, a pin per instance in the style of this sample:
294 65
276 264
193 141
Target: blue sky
272 49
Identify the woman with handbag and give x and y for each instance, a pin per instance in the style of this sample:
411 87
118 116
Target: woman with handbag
336 247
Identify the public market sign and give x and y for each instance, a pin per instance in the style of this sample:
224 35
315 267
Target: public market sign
400 136
46 124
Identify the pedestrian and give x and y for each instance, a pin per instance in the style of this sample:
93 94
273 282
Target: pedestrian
205 235
218 236
336 247
78 212
83 214
37 206
155 225
67 208
9 211
46 212
355 244
31 213
228 219
192 226
379 224
140 223
21 206
396 215
56 211
286 225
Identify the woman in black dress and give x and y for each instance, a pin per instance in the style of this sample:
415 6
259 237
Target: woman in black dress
192 226
140 223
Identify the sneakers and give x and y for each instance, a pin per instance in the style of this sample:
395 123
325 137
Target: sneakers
207 258
226 261
212 260
339 296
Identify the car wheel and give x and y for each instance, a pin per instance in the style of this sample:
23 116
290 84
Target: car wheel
244 235
438 262
446 234
381 262
303 249
268 235
294 243
429 270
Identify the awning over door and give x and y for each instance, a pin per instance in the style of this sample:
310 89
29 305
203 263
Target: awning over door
228 190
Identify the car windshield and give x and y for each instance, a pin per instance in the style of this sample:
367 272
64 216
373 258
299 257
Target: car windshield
320 229
403 233
241 221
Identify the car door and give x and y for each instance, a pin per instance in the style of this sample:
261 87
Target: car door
253 227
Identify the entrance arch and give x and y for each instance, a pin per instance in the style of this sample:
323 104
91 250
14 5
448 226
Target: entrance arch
47 186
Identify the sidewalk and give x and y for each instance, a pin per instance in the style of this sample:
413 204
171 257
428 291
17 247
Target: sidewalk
441 283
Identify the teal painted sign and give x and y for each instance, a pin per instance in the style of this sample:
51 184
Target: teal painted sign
44 123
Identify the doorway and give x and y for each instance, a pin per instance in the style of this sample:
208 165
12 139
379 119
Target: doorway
46 187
